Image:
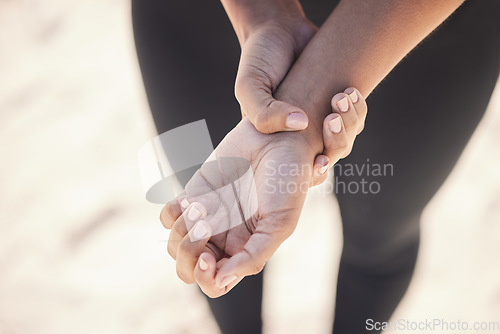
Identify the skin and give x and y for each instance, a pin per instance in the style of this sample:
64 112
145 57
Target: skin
370 38
248 246
270 43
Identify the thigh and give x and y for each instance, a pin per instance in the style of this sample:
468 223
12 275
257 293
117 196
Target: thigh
420 119
188 54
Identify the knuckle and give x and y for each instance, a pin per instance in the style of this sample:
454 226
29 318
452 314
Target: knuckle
208 293
170 211
238 89
162 219
256 268
186 278
361 112
314 182
171 250
342 144
338 149
167 216
364 106
351 125
183 248
361 108
317 180
212 294
347 152
262 122
361 128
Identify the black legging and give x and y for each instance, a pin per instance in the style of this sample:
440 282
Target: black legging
420 118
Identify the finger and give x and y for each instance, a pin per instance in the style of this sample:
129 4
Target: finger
189 250
172 210
321 164
204 274
169 213
183 202
195 211
342 104
334 137
250 261
360 105
267 114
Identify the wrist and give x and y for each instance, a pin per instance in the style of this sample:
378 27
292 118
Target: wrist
312 136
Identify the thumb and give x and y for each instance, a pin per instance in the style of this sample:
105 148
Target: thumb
267 114
250 260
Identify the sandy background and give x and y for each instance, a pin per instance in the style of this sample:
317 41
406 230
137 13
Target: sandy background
81 251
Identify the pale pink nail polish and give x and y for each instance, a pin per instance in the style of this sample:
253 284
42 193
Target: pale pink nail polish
227 280
194 214
343 104
202 264
335 125
184 204
296 121
323 169
200 230
354 97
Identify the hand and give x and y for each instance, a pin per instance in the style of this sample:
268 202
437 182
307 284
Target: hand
351 106
209 224
270 46
272 34
266 57
240 248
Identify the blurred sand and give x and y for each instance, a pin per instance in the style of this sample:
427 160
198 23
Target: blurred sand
81 251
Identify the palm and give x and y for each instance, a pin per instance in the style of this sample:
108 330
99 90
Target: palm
240 186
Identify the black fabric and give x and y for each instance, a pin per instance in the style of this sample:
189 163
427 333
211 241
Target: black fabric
420 118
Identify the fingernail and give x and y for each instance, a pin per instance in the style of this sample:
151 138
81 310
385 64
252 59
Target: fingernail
194 214
202 264
200 230
226 281
354 97
184 203
335 125
296 121
323 169
343 104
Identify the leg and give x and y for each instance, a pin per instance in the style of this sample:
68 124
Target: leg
420 119
189 55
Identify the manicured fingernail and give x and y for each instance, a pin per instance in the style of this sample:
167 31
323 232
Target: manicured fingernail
226 281
335 125
194 214
354 97
323 169
200 230
343 104
184 203
202 264
296 121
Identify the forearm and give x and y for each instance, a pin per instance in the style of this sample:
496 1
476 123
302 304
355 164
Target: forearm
247 16
358 46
